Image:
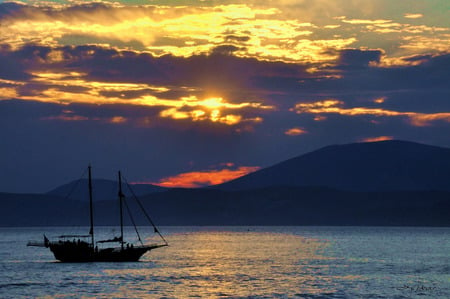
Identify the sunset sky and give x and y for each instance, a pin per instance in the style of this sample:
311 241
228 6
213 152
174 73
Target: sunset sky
193 93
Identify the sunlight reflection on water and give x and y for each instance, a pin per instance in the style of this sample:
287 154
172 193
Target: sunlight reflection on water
205 264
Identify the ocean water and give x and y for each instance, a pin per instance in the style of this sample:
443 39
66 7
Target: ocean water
242 262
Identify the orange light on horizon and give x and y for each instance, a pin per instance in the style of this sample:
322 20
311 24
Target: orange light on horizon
376 139
196 179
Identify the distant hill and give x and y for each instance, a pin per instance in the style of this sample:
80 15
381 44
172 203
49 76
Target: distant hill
299 206
40 210
375 166
101 190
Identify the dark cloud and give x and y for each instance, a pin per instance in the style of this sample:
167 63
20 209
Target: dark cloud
225 50
237 38
11 9
359 79
104 13
219 69
355 58
11 66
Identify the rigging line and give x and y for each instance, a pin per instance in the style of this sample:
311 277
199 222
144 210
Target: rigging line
132 220
144 211
76 184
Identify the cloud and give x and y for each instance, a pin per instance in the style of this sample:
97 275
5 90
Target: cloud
197 179
66 117
12 67
240 95
7 93
376 139
413 15
295 132
358 58
251 31
69 116
333 106
423 120
365 22
421 44
95 75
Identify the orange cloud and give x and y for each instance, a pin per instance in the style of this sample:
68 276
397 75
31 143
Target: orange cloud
69 115
117 119
375 139
295 132
380 100
7 93
423 120
65 117
198 179
320 118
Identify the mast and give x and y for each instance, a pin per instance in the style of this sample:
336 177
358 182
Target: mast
120 208
91 212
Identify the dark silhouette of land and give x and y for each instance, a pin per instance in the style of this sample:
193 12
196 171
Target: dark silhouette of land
373 166
393 183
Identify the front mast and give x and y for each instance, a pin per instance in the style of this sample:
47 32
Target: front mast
91 212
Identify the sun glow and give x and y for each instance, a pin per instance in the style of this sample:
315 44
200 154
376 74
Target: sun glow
73 87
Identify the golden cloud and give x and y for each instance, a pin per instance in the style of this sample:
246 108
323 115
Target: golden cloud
413 15
420 44
210 109
362 21
332 106
259 30
180 31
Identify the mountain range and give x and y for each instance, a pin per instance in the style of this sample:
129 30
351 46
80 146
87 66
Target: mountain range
379 183
375 166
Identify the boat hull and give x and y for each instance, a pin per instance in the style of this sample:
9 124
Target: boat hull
82 253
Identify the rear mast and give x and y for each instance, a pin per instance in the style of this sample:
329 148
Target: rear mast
121 210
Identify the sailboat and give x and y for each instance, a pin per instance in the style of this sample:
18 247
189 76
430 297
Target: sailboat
84 248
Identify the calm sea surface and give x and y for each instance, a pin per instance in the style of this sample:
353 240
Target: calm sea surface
241 262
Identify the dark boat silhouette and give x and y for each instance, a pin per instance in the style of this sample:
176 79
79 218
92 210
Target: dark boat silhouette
84 248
